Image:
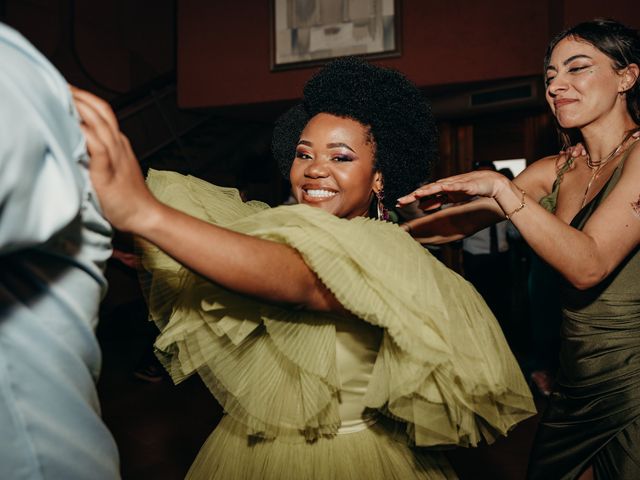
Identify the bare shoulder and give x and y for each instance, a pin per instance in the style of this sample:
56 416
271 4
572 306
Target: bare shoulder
632 163
616 222
625 197
537 179
627 190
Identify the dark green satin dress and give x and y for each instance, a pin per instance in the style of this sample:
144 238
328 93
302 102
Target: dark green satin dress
593 417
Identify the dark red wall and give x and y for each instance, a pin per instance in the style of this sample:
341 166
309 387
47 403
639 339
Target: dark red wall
223 47
626 11
109 47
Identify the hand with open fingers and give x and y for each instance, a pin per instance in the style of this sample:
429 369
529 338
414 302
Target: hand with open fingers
457 189
579 150
114 169
574 151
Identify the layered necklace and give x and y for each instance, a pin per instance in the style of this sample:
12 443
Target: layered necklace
597 165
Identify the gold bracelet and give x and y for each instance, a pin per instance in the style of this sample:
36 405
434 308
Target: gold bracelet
522 205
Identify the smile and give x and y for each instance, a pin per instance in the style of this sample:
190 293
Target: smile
319 193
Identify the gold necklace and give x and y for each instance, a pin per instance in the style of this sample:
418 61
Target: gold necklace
603 161
599 164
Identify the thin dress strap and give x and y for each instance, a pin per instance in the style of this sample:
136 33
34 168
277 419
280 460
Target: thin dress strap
548 202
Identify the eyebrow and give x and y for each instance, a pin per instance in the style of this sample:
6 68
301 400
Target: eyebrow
569 60
329 145
338 145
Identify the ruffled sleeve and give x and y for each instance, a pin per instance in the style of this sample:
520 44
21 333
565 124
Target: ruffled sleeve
444 366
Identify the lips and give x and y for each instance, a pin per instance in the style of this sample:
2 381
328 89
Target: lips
561 102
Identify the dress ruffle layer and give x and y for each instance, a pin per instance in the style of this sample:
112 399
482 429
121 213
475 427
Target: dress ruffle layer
376 453
444 366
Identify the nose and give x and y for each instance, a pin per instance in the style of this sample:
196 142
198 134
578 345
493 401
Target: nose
557 86
317 168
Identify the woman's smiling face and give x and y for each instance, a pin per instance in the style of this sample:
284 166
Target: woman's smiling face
582 84
334 166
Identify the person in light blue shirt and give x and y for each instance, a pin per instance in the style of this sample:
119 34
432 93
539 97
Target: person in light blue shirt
54 243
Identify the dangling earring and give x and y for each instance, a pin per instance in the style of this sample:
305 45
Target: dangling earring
383 213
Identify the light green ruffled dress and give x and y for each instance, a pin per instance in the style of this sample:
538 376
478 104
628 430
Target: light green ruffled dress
443 375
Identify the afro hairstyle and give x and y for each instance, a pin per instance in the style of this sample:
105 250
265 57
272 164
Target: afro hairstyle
396 113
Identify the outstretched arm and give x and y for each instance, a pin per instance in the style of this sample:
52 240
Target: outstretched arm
584 257
241 263
466 214
454 222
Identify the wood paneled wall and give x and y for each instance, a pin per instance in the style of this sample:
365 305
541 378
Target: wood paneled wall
525 134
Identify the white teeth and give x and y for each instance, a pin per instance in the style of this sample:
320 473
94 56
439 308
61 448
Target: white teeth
320 193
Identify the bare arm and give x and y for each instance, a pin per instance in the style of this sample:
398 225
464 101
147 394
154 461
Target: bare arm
584 258
588 256
454 222
466 217
238 262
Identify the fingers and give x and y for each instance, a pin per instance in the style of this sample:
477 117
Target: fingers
102 108
577 150
114 169
101 134
126 146
94 121
100 166
98 117
459 177
109 148
423 191
446 193
438 189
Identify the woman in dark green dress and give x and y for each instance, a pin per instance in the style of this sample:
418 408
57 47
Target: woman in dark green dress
582 216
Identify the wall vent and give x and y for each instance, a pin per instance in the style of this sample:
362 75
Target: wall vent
500 96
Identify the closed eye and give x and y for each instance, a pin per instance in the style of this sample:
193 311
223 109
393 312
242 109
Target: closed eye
578 69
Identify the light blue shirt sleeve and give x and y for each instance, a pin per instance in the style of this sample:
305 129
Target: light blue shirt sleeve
54 243
40 187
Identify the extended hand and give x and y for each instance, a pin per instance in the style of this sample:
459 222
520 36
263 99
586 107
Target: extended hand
578 150
457 189
574 151
114 169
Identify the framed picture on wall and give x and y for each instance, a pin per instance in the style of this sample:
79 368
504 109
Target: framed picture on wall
310 32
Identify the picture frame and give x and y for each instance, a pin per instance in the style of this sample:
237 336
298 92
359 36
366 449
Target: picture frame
306 33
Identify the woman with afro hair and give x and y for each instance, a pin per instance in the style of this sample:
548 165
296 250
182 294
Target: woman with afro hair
338 346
